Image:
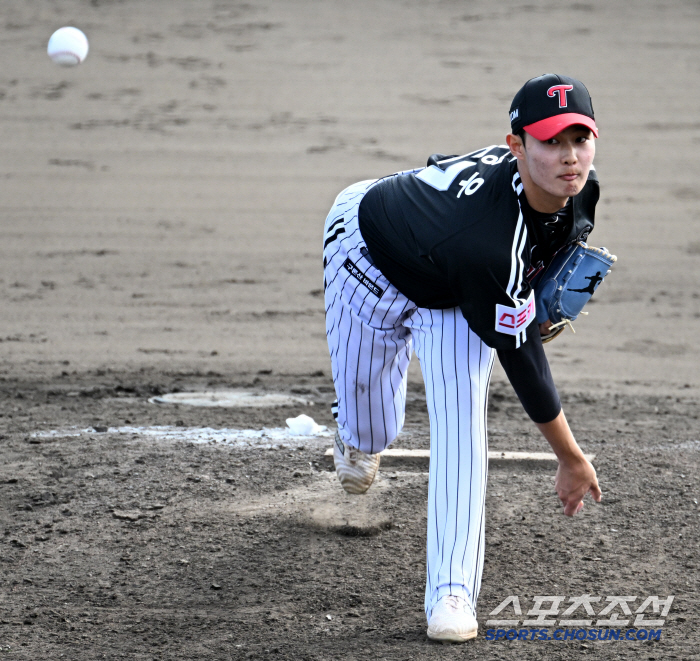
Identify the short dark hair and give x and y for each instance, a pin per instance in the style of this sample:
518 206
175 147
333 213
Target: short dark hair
521 134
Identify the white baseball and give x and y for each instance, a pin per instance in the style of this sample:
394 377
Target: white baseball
68 46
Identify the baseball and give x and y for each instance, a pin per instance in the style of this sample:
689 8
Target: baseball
68 46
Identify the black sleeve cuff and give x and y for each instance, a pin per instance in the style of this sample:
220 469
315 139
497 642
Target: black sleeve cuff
529 374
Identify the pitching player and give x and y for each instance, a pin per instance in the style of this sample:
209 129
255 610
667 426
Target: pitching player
438 260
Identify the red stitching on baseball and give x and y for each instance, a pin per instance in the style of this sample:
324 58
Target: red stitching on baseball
67 52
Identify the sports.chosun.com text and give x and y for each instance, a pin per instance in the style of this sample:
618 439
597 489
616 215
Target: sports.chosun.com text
573 634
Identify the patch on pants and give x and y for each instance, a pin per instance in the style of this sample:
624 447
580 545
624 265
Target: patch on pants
364 279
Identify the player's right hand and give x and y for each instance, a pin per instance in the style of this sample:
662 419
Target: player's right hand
575 478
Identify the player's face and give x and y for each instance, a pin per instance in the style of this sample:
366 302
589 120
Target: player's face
556 169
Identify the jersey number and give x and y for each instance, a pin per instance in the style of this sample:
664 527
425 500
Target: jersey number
442 179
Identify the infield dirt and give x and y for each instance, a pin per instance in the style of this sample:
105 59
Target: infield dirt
162 208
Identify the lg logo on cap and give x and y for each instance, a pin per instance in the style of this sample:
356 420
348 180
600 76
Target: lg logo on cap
560 91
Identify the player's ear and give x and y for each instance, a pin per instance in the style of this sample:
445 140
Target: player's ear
515 143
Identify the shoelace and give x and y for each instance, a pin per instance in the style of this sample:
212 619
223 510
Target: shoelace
354 454
454 603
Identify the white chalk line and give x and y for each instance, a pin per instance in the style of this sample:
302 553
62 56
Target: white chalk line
259 438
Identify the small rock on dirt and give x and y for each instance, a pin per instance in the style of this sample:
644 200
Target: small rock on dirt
128 515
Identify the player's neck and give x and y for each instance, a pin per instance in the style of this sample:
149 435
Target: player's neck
537 197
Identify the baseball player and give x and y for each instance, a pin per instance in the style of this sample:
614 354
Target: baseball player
438 260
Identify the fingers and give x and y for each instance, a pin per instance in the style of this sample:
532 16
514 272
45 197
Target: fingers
572 506
568 510
572 488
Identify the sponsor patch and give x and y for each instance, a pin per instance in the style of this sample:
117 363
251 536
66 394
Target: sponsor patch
350 267
513 320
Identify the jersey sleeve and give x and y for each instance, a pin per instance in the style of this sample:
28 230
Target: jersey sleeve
528 371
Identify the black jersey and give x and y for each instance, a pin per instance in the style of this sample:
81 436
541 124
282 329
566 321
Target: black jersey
459 232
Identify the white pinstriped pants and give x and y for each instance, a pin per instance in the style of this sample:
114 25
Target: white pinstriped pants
371 328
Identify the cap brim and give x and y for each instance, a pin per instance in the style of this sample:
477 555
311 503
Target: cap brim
548 128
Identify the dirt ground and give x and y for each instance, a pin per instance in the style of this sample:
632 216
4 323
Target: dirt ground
118 547
162 207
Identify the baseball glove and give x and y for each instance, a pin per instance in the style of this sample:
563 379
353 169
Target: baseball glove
568 283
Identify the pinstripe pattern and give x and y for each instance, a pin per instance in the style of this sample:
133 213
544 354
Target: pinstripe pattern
370 349
370 339
456 367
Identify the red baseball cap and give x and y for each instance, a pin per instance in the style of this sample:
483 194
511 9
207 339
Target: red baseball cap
548 104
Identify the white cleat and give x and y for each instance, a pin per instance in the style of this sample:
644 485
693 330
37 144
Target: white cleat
354 468
452 621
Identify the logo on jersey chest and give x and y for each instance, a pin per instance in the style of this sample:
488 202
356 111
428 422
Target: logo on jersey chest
514 320
352 269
